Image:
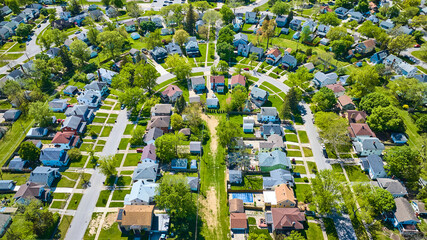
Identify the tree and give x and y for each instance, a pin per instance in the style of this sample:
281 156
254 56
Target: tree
180 104
106 166
14 6
47 39
64 55
324 99
385 119
234 4
179 66
268 28
181 37
333 130
411 3
146 76
422 123
305 34
74 7
295 236
226 34
364 81
227 131
404 162
327 194
176 122
211 17
190 24
153 39
400 43
419 21
137 136
80 52
383 200
133 9
106 2
238 98
150 102
148 26
75 154
280 8
225 51
112 42
92 35
329 18
292 99
300 78
167 146
23 30
227 14
337 33
193 118
373 100
202 6
409 90
41 113
117 3
131 97
28 151
362 6
223 67
341 47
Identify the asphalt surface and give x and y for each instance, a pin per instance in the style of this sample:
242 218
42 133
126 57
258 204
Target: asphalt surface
87 204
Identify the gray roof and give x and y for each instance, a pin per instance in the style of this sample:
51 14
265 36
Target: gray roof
173 48
376 163
153 134
96 85
406 30
4 220
273 141
72 122
404 211
371 143
235 176
76 110
37 131
181 162
239 36
5 185
53 51
57 103
421 77
40 175
392 185
16 73
193 182
212 102
162 109
289 59
271 128
258 92
250 15
53 154
142 190
145 171
11 114
277 177
273 158
199 80
70 89
388 24
195 146
17 163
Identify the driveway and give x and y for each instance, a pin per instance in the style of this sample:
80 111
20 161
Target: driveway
90 197
344 227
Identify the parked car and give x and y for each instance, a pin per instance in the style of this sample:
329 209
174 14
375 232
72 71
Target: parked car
246 69
77 32
139 150
417 45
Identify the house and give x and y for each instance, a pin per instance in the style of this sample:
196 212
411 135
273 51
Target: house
17 164
36 143
419 208
237 80
236 205
15 75
399 138
379 57
251 18
5 220
171 93
217 83
196 147
288 61
159 54
130 26
421 77
30 190
273 160
322 30
52 52
58 105
356 116
395 187
11 115
392 61
61 24
96 15
157 21
185 131
278 177
240 38
173 48
7 186
82 111
295 24
192 47
268 114
270 129
199 24
341 12
149 154
237 24
193 164
111 12
337 88
70 90
55 157
4 11
65 140
74 124
356 16
259 96
404 217
281 21
142 193
162 122
92 7
178 164
248 124
310 66
246 49
345 103
285 197
5 33
324 41
135 217
90 98
406 30
97 86
238 222
285 219
367 146
273 56
374 165
235 176
146 171
406 69
274 142
360 130
135 36
198 84
193 182
152 134
37 132
387 24
106 75
310 24
373 19
212 103
161 110
44 176
321 79
366 46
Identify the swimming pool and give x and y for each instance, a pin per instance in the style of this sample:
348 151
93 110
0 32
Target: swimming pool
246 197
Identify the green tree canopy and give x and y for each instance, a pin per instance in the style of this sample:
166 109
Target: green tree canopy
167 146
373 100
227 131
238 98
111 42
404 162
28 151
106 166
227 14
41 113
23 30
400 43
80 52
280 8
179 66
385 119
327 194
364 80
324 99
409 90
329 18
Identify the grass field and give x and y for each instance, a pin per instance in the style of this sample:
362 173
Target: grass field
300 189
64 225
103 198
106 131
129 129
307 152
120 194
299 169
14 137
123 143
291 138
293 153
58 204
313 232
132 159
355 174
303 137
75 201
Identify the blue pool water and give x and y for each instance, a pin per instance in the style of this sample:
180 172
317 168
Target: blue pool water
246 197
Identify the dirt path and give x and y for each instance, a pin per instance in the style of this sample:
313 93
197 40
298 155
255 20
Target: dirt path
212 123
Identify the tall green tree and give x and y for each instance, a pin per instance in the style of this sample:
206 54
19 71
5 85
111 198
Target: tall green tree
133 9
305 34
329 18
41 113
167 146
28 151
227 14
400 43
13 5
111 42
383 119
80 52
227 131
180 104
146 76
179 66
211 17
153 40
326 189
373 100
74 7
364 80
190 24
404 162
59 37
92 36
300 78
131 97
280 8
324 99
409 90
333 130
181 37
268 30
64 55
106 166
23 30
118 3
238 98
223 67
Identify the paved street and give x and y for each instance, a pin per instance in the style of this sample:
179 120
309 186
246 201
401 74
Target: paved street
87 204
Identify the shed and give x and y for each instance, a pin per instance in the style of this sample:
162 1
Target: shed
179 164
196 147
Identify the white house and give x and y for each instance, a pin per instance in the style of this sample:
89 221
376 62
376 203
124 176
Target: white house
142 193
406 69
365 146
90 98
321 79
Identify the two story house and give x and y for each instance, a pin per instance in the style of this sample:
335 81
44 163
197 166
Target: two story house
240 38
237 80
44 176
251 18
365 146
273 160
54 157
82 111
321 79
366 46
217 83
259 96
171 94
373 164
198 84
142 193
58 105
74 124
159 54
273 56
65 140
192 47
403 218
90 98
268 114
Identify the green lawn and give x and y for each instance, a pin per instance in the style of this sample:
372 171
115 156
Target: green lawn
355 174
95 128
303 137
293 153
79 163
120 194
86 176
123 143
114 233
116 204
124 181
64 225
99 148
86 147
19 178
99 120
314 232
299 190
118 159
271 86
100 114
250 182
291 138
307 152
14 137
75 201
312 166
11 56
264 232
164 84
61 195
58 204
106 107
202 49
64 182
106 131
129 129
132 159
103 198
300 169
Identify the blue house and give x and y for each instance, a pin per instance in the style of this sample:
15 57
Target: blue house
281 21
240 38
198 84
44 175
356 16
341 12
268 114
135 36
289 61
259 96
180 163
250 17
310 24
404 217
378 57
192 47
399 138
237 24
54 157
159 53
193 164
193 182
374 165
295 24
273 56
199 23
